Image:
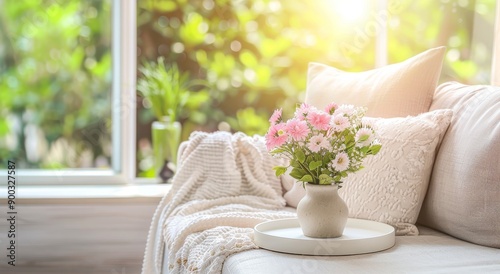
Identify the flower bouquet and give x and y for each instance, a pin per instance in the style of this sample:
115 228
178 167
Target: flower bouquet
322 146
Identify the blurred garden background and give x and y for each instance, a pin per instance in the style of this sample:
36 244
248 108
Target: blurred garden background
55 63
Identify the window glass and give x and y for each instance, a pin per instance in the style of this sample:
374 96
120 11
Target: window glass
465 27
253 53
55 83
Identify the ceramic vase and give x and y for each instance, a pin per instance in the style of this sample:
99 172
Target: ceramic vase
322 213
166 136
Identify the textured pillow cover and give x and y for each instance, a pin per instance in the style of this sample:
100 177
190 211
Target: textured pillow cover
463 199
395 90
392 186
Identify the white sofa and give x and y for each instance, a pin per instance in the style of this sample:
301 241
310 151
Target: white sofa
459 222
456 203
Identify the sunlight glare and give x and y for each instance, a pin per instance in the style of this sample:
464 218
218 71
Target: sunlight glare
350 11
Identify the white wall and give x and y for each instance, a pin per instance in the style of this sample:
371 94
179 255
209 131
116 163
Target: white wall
104 235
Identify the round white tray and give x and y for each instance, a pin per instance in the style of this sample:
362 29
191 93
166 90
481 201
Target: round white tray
360 236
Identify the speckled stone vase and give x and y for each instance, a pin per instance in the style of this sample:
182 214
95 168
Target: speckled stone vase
322 213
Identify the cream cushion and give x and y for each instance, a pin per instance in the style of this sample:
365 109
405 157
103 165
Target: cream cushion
464 193
396 90
392 186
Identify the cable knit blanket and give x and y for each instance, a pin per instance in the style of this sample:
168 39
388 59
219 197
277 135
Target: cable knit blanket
223 187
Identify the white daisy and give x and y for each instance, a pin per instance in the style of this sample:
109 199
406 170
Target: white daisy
339 123
341 162
317 142
364 136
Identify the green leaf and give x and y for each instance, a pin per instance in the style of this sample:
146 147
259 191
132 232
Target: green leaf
325 179
306 178
363 138
315 164
309 159
277 150
299 154
327 159
297 173
375 149
280 170
294 163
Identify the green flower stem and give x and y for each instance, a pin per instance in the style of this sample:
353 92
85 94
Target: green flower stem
307 170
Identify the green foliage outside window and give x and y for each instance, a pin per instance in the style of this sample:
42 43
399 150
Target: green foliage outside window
55 83
55 62
255 52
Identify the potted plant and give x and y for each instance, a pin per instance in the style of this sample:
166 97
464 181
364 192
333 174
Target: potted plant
166 90
322 146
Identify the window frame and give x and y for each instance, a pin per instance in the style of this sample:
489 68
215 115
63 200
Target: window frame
123 105
495 64
381 38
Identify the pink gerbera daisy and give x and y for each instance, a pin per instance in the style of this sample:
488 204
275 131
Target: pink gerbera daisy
319 119
317 142
302 111
297 129
341 162
276 136
330 108
276 117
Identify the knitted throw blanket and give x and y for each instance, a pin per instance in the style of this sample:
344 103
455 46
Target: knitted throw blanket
223 187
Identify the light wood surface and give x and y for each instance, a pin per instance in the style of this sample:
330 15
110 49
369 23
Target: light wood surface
78 236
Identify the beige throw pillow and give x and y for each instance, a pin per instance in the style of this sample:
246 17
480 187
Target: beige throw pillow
464 192
396 90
